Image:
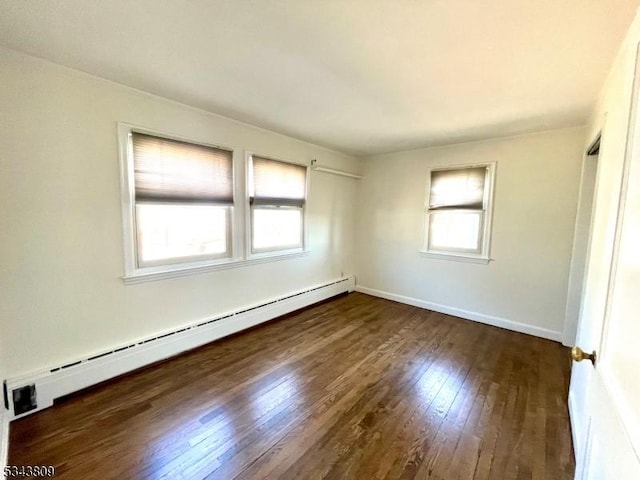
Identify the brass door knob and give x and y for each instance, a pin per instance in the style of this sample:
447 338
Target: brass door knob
577 354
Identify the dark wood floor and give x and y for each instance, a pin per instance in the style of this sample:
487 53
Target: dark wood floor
355 388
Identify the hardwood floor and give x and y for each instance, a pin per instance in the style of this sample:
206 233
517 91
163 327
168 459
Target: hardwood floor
354 388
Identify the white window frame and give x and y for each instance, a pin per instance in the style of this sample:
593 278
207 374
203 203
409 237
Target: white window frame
252 253
482 255
169 267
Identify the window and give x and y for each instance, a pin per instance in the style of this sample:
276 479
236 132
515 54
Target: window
458 211
180 197
178 207
277 195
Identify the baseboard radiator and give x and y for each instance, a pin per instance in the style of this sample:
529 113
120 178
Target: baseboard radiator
34 392
4 439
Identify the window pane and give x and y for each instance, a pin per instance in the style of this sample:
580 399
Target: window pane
277 227
455 230
178 231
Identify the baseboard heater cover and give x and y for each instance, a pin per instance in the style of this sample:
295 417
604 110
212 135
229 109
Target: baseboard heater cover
72 376
4 438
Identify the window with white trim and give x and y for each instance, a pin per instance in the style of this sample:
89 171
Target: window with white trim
180 197
277 197
458 211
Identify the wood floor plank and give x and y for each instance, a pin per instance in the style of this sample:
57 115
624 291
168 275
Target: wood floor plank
354 388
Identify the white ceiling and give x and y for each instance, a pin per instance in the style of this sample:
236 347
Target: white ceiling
361 76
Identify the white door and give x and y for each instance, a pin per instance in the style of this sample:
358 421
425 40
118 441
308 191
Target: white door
605 398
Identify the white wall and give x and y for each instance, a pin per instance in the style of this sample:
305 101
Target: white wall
525 285
61 250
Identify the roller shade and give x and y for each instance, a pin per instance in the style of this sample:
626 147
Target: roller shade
461 188
173 171
277 183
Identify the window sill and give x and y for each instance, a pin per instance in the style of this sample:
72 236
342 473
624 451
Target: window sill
456 257
266 254
136 278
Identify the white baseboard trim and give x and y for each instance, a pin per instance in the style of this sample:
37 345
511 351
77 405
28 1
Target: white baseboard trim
466 314
55 382
4 439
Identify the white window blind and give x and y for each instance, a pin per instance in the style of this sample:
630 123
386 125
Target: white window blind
277 183
172 171
461 188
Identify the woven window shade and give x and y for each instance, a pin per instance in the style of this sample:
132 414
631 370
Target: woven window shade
461 188
172 171
278 183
